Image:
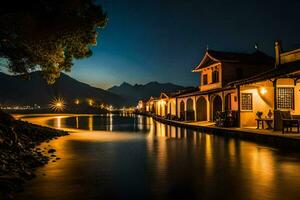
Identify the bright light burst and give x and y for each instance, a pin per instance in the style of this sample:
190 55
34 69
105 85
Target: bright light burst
57 104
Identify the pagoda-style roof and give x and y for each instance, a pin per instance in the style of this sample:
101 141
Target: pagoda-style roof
212 57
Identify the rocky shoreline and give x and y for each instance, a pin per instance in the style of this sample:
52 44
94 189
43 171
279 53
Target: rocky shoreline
18 153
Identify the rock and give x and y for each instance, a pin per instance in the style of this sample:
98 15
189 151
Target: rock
18 156
51 151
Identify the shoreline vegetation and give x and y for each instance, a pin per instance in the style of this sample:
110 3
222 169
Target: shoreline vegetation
19 155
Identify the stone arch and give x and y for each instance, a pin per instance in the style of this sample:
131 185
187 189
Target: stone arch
228 102
190 104
181 110
201 109
166 109
190 109
216 106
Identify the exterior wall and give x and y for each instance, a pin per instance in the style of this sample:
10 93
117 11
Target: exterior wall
297 100
260 102
234 100
265 102
237 71
208 71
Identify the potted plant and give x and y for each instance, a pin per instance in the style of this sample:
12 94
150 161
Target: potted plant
259 114
270 114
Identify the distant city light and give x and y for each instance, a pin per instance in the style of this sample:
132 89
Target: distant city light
91 102
77 101
57 104
20 107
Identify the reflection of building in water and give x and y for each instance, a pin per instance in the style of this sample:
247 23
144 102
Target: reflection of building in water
57 122
90 123
77 122
110 122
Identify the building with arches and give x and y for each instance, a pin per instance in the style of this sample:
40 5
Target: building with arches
238 83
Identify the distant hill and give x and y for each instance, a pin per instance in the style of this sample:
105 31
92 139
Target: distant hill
15 90
133 93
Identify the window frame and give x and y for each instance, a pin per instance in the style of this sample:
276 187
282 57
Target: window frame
292 106
242 101
215 76
205 79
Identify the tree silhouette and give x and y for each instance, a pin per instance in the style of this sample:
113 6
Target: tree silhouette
47 35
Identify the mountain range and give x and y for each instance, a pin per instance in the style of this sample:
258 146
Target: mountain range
133 93
16 91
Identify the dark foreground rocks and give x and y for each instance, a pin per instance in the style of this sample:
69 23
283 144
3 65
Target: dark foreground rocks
18 156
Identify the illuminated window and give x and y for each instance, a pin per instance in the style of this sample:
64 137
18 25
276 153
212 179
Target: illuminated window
246 101
285 98
215 76
205 79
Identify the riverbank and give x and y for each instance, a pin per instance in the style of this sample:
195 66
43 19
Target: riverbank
290 141
19 153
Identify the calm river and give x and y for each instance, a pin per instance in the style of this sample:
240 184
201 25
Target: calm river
134 157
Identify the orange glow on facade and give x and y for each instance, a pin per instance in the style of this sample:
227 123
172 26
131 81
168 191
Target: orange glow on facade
263 91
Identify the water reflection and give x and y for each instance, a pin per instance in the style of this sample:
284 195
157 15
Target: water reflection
134 157
109 122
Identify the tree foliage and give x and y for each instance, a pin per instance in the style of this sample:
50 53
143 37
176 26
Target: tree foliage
47 35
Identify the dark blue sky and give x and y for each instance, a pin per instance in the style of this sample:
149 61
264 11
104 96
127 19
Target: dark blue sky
163 40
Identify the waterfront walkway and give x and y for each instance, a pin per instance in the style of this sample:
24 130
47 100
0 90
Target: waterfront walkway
254 130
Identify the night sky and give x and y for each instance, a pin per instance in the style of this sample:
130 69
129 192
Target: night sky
163 40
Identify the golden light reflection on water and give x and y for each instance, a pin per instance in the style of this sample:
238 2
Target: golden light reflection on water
209 162
77 122
58 122
91 124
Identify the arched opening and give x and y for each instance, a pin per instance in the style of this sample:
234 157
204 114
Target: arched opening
190 115
181 115
160 110
228 102
217 106
166 109
201 109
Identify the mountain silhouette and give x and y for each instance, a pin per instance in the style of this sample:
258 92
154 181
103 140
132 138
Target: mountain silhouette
16 91
133 93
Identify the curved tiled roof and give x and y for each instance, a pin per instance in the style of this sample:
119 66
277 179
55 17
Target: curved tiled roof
212 56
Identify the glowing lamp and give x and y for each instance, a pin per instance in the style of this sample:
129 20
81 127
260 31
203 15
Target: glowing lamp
57 104
263 91
77 101
90 102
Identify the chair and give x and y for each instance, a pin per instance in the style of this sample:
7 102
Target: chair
289 122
